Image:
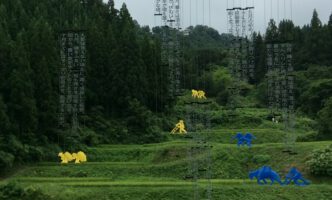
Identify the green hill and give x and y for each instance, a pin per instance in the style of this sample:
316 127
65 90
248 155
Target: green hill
158 171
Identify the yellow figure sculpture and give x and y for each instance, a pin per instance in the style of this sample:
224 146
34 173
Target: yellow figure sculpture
65 157
201 94
194 94
198 94
79 157
179 127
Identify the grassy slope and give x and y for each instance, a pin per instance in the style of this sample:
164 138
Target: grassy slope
157 171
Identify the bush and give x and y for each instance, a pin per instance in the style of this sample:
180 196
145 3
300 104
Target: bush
142 124
13 192
13 146
320 162
309 137
6 160
34 154
324 120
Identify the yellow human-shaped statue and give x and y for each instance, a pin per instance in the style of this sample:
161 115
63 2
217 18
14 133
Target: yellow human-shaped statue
65 157
198 94
201 94
68 156
194 93
79 157
182 127
179 127
77 161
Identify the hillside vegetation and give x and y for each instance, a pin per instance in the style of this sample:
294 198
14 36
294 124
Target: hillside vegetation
130 112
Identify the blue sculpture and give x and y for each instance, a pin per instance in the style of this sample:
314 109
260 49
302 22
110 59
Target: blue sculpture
243 139
239 138
263 173
296 176
248 138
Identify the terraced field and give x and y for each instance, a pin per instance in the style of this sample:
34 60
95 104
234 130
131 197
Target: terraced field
160 171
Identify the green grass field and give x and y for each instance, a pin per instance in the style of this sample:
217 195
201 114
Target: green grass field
158 171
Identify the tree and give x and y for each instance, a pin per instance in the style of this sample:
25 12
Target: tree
286 30
260 55
129 67
271 31
315 21
315 40
4 120
149 56
21 103
329 46
43 60
313 99
324 120
5 48
113 13
221 81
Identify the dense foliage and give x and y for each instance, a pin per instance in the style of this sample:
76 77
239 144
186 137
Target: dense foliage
126 84
11 191
320 162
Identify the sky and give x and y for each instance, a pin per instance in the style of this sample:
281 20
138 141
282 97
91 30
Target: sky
213 12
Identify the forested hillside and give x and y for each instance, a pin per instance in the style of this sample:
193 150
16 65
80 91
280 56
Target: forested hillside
125 81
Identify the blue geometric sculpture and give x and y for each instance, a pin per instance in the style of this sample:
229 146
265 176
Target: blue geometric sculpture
248 138
240 139
295 176
263 173
243 139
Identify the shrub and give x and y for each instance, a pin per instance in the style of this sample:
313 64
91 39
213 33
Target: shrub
142 124
320 162
13 192
34 154
324 120
6 160
309 137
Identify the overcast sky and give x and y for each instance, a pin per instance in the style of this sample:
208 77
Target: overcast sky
299 10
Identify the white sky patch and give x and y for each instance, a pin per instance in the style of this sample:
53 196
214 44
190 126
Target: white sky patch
197 11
